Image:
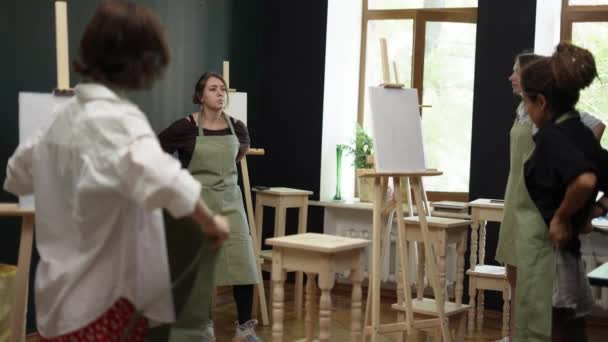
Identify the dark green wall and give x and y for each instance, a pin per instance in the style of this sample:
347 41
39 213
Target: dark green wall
201 34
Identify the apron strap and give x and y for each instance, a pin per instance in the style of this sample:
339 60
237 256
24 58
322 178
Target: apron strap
199 125
229 119
569 115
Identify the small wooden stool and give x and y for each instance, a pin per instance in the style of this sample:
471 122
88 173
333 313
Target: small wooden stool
493 278
443 231
281 199
316 254
427 308
483 277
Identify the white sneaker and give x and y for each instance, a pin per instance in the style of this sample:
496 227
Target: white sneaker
209 332
246 332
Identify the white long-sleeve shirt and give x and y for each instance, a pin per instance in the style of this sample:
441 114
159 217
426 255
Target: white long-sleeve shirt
100 178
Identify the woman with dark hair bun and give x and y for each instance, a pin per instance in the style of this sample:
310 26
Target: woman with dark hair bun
563 176
100 179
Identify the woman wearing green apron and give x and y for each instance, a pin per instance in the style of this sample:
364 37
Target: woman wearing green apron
209 143
524 245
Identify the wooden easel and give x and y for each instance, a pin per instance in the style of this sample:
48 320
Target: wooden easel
62 50
386 83
23 267
386 78
261 292
406 323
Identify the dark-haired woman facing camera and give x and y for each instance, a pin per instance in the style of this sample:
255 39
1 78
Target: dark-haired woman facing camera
209 143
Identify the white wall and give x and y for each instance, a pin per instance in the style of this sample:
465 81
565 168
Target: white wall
341 92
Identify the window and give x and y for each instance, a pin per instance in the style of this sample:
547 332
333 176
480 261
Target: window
432 44
587 2
588 28
403 4
449 66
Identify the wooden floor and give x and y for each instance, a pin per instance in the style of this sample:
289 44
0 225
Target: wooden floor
225 315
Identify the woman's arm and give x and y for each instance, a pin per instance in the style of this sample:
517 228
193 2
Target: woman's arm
153 179
19 179
598 131
242 135
595 124
577 194
169 137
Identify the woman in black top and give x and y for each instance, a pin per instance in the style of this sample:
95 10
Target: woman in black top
563 175
209 143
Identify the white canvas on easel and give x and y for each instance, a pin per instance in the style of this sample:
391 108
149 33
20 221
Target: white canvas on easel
397 130
36 111
237 106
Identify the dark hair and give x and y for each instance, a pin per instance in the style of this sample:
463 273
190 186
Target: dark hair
202 82
525 58
123 45
560 77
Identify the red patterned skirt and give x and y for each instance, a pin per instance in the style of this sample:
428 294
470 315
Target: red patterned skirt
109 327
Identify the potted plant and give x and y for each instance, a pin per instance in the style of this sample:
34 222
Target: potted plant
361 149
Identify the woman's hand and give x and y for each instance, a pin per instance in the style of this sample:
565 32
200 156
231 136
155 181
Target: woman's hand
560 231
218 229
215 227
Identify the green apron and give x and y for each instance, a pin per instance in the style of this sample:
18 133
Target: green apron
524 243
517 200
213 165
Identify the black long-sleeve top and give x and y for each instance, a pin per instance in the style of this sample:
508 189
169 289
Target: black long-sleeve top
563 152
181 135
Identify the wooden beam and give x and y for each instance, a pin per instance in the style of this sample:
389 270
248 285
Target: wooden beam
453 13
61 44
362 60
419 33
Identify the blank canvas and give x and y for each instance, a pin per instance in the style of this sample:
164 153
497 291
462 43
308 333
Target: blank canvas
397 130
237 106
35 113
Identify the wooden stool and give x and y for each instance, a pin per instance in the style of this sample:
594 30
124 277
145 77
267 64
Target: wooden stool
482 277
426 308
316 254
281 199
493 278
443 231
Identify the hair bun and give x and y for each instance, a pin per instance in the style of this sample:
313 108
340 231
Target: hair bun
573 67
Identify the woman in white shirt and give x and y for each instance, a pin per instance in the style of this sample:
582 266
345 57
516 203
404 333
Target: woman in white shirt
100 179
